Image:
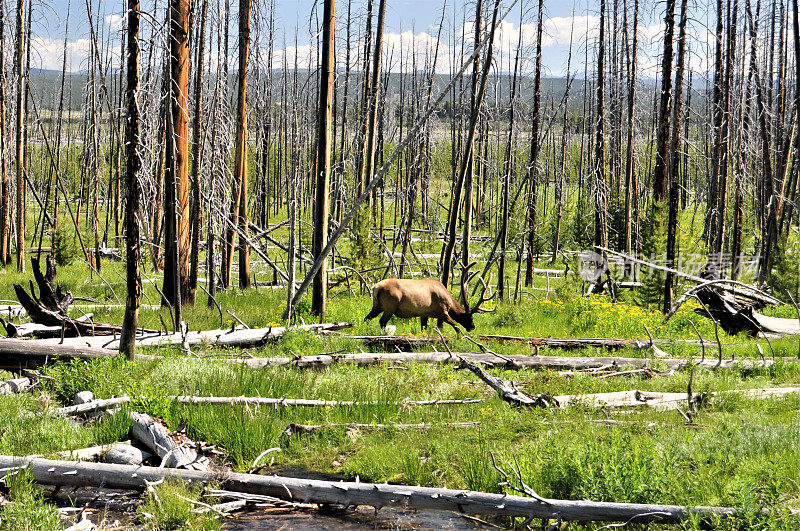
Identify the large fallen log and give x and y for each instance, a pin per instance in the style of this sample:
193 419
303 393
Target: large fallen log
665 401
67 473
23 353
174 450
119 453
294 428
93 406
736 315
18 353
509 361
239 337
407 343
305 402
730 286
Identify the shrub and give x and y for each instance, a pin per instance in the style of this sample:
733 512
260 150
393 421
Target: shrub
65 247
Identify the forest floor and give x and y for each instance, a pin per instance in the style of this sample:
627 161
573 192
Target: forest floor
736 451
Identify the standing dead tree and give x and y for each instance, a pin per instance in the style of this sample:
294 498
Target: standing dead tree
324 148
18 134
133 278
601 191
5 183
447 260
176 175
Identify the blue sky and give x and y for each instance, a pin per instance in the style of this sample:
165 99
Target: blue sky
411 25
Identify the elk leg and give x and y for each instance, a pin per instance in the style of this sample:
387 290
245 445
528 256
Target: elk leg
373 313
451 322
423 322
384 320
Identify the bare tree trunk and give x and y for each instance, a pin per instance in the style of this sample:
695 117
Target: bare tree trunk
322 204
630 160
469 177
674 165
372 105
773 199
20 144
176 176
5 183
561 177
661 171
197 159
447 261
508 169
717 197
127 343
601 199
241 170
533 162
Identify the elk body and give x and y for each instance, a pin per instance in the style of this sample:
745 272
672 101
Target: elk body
424 298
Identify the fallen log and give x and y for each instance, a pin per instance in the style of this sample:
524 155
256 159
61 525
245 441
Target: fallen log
508 392
16 353
294 428
93 406
665 401
731 286
510 361
174 450
31 329
406 343
66 473
239 337
17 385
304 402
22 353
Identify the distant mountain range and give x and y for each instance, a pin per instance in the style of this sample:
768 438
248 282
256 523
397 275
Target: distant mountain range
45 86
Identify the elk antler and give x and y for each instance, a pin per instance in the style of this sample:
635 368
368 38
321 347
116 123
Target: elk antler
483 299
466 277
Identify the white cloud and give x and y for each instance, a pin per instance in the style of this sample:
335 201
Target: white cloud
114 21
48 53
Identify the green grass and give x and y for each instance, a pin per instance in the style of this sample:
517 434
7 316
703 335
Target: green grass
28 510
741 452
167 507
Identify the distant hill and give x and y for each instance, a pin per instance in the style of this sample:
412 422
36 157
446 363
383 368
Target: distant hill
46 85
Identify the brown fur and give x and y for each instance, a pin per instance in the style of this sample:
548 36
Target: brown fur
425 298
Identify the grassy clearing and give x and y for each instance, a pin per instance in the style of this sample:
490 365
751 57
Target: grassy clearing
741 452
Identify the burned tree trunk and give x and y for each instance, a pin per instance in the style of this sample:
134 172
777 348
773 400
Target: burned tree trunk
5 183
20 142
533 163
176 175
197 158
447 261
674 164
601 199
50 307
132 166
662 142
323 180
241 175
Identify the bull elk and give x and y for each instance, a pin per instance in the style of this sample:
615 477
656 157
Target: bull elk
427 299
